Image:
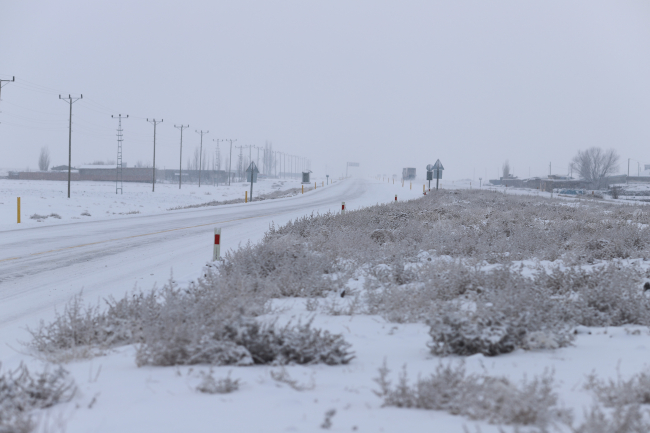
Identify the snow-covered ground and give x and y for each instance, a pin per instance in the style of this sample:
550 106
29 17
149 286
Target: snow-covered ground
43 264
99 201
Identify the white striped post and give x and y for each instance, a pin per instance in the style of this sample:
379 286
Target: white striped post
216 252
342 207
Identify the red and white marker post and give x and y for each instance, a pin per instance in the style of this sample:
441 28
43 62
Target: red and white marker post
395 197
342 207
216 252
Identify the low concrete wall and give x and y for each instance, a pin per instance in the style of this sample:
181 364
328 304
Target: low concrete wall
47 175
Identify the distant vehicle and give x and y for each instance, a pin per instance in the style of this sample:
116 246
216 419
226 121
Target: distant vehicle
408 173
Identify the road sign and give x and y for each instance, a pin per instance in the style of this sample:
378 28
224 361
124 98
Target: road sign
251 172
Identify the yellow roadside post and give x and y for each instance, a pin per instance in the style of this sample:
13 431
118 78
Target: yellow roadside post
245 196
18 210
303 189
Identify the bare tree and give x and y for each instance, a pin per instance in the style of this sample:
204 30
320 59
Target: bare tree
195 162
44 159
506 169
217 157
595 163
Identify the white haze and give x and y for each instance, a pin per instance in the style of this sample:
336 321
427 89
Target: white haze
386 84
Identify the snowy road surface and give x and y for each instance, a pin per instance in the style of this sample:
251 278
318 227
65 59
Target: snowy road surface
42 267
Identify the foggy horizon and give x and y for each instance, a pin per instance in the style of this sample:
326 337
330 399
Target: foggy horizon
387 85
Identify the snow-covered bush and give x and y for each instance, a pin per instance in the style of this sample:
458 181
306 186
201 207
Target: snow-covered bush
210 385
210 323
634 391
472 310
21 393
282 266
480 225
478 397
630 419
242 341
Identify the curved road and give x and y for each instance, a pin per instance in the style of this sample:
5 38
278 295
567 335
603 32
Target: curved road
42 267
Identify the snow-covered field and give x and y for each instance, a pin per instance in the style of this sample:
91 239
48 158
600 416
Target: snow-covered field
99 201
43 267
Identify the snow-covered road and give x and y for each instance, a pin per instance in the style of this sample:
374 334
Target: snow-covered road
42 267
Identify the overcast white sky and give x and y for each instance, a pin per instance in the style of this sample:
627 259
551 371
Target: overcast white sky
387 84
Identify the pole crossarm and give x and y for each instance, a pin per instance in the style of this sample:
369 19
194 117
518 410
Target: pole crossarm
5 83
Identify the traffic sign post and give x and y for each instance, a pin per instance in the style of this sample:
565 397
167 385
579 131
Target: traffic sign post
251 174
437 172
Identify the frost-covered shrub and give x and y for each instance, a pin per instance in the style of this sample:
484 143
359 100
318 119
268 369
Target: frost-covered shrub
510 312
634 391
472 310
282 266
21 393
208 323
478 397
242 341
82 330
626 402
630 419
210 385
481 225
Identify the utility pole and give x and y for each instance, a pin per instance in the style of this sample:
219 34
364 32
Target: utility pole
230 155
180 163
201 154
241 160
70 100
118 167
5 81
155 122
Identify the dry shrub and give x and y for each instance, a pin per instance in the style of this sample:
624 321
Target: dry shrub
471 310
21 393
480 225
478 397
210 323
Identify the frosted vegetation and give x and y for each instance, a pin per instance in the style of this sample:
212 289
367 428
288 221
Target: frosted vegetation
22 393
453 260
447 259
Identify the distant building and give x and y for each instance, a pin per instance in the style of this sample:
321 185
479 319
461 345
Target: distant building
408 173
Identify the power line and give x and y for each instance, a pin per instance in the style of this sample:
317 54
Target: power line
70 100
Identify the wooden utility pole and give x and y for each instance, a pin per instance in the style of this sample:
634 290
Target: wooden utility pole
154 122
70 100
180 164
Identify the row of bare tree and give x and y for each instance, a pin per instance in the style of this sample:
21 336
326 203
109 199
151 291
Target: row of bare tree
592 165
